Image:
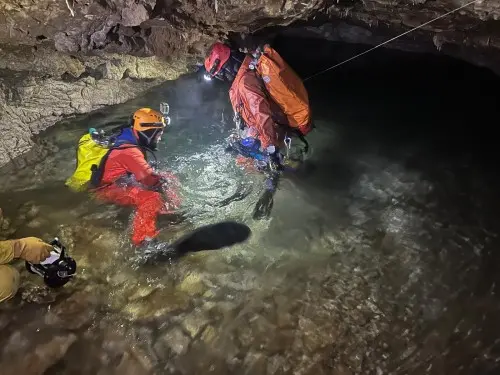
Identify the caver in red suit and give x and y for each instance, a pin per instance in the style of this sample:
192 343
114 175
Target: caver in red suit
128 179
250 98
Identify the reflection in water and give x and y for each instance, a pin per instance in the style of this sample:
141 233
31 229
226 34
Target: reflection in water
379 256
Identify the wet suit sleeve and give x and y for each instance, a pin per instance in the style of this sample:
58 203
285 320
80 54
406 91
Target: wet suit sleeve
259 107
134 162
6 251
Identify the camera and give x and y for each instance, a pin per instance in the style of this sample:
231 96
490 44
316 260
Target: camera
57 269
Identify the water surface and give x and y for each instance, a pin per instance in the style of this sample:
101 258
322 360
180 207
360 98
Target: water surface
379 257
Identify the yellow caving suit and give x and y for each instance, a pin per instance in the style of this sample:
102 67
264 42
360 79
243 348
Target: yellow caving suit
31 249
9 277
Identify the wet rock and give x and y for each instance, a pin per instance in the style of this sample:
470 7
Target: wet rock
5 227
32 212
276 365
174 340
341 370
142 292
155 305
311 366
55 99
209 306
284 318
209 335
131 365
255 364
118 356
16 343
134 15
74 312
36 223
37 293
209 294
128 365
260 334
239 281
37 360
118 278
314 337
195 322
192 285
225 310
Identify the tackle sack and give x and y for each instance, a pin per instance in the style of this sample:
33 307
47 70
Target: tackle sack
285 87
90 160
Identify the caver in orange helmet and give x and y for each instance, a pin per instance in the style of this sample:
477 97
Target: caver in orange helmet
148 126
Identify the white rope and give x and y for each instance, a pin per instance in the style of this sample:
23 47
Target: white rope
390 40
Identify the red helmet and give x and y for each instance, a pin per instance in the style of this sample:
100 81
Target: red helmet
219 55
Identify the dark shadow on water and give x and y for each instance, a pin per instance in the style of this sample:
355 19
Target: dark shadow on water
208 237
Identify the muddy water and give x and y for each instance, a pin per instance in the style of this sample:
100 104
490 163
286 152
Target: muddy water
380 255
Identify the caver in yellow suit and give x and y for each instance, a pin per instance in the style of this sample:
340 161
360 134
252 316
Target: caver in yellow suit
31 249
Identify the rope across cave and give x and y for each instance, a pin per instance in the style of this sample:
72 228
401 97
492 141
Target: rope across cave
390 40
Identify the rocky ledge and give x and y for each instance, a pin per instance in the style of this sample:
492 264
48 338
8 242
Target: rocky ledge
63 57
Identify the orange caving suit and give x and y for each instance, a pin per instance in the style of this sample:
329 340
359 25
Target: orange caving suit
250 98
148 203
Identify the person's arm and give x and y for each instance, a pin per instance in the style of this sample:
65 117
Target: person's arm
258 104
32 249
134 162
6 252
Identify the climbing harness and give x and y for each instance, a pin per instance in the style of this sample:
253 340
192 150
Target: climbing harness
390 40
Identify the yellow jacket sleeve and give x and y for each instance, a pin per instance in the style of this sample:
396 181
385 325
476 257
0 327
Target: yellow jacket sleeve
6 251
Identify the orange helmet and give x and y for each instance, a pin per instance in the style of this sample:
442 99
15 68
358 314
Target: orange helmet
148 126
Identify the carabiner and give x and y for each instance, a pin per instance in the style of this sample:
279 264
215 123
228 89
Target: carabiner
288 144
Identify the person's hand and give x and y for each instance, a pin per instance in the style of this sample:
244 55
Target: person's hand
170 186
31 249
275 162
169 179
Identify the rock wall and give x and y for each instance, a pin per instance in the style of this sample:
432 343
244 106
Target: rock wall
40 87
63 57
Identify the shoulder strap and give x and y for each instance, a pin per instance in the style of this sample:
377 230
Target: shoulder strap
98 171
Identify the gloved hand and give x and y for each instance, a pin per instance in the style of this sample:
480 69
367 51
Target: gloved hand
32 249
275 160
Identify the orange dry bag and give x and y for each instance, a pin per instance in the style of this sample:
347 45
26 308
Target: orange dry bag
285 87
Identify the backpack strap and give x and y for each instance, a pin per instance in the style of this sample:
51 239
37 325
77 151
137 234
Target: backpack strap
98 171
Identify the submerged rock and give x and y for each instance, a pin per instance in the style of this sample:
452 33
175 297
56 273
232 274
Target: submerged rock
156 305
5 227
73 313
192 285
255 364
195 322
37 360
174 340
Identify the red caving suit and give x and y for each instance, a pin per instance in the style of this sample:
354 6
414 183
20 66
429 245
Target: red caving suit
122 162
